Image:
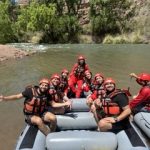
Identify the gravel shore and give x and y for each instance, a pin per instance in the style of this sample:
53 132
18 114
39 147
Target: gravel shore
8 52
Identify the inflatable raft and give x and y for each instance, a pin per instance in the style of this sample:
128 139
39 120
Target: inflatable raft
77 130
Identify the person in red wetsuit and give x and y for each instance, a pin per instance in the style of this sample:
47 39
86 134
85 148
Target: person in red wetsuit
76 76
93 101
115 104
141 102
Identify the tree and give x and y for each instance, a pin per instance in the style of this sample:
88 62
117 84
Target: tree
44 18
109 16
6 32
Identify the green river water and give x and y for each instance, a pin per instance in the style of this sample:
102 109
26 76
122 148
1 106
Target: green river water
116 61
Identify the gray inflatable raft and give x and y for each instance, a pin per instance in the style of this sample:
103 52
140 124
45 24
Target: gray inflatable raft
81 140
79 105
142 119
31 139
76 121
77 131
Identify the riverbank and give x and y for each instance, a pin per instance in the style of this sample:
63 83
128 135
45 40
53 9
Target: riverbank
9 52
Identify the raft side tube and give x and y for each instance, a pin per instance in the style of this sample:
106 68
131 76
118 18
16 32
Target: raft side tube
129 140
76 121
31 139
79 105
142 119
81 140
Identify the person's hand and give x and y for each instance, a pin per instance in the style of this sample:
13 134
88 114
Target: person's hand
68 103
133 75
110 119
70 106
98 103
93 108
84 85
1 98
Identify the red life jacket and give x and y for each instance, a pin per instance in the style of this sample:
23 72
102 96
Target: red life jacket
111 108
36 105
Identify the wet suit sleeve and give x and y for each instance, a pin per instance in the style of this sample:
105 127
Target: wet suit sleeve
86 67
73 69
143 96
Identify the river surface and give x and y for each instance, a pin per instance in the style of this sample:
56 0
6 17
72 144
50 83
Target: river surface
116 61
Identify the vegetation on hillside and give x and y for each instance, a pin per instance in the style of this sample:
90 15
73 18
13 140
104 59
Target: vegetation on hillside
59 21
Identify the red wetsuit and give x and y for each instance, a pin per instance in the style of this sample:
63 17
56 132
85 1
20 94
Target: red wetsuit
142 99
76 78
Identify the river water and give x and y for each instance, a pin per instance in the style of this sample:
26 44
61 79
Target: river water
116 61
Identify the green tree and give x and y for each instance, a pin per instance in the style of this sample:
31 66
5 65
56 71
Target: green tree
6 32
44 18
109 16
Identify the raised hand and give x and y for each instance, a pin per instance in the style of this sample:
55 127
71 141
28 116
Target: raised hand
133 75
1 98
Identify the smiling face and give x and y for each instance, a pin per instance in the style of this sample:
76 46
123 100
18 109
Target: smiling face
55 81
109 86
64 75
43 87
81 62
88 75
99 80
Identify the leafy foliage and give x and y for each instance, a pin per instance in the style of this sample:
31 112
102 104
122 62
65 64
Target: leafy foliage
109 16
57 21
44 18
6 32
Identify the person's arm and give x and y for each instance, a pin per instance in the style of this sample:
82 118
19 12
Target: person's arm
86 67
140 98
124 114
85 87
73 69
66 91
57 105
11 97
123 103
65 98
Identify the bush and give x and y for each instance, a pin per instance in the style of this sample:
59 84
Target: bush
133 37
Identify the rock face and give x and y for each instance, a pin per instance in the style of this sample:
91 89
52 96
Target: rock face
9 52
142 17
84 12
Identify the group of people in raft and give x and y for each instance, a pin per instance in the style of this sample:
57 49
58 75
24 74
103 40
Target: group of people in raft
111 106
